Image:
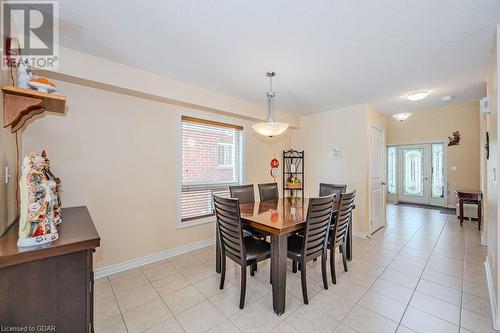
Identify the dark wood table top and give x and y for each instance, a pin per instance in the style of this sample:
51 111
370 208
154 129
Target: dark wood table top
469 195
76 233
278 217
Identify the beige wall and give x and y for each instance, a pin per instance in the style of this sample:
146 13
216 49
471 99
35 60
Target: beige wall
432 125
117 155
490 185
85 68
347 128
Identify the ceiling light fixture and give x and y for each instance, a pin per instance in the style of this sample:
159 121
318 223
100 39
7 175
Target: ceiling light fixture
401 116
446 98
417 95
271 127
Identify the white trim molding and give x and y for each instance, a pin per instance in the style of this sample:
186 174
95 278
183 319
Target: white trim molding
493 300
484 242
141 261
360 234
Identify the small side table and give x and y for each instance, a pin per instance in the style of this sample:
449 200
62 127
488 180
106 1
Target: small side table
472 198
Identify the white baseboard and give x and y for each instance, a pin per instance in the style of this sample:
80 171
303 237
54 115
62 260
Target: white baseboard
483 240
493 300
360 234
137 262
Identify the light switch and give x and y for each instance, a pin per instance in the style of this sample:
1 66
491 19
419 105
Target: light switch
7 175
453 168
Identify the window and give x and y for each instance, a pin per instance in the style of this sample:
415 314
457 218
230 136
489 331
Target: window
211 161
391 169
225 155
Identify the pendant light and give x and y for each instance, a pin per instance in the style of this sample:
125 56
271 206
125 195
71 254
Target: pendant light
401 116
271 127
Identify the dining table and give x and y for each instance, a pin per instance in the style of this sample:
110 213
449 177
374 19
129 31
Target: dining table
279 218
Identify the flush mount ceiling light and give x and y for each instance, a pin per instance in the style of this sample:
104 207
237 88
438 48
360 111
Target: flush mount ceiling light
417 95
446 98
271 127
401 116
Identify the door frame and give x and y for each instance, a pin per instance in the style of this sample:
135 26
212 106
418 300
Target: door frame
440 202
371 229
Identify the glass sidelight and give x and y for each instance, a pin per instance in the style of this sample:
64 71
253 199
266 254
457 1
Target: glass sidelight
438 168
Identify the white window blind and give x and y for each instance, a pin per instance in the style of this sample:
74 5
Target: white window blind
211 162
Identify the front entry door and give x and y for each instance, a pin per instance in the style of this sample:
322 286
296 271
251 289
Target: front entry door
414 174
377 190
422 175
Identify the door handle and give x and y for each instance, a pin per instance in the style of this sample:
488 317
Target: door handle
383 183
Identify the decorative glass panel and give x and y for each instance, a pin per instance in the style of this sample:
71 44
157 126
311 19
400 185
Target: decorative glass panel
413 171
391 169
438 186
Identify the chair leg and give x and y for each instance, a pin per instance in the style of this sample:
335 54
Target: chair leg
323 271
294 266
343 249
304 283
223 272
271 274
255 268
252 269
299 265
243 286
332 264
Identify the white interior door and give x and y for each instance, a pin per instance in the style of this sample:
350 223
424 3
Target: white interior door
377 184
414 174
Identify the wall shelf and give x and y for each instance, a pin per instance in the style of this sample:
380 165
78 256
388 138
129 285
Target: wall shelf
21 104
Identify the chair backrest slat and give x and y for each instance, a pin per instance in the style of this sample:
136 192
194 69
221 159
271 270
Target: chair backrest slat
337 189
244 193
343 218
229 228
268 191
319 215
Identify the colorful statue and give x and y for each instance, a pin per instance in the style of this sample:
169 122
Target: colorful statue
40 201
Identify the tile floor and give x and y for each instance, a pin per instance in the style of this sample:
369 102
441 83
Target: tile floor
421 273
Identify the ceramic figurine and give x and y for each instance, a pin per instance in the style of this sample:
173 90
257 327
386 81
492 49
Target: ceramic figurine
40 202
23 75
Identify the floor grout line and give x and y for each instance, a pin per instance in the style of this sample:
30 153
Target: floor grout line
396 237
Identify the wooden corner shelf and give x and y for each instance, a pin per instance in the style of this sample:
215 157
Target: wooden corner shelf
21 104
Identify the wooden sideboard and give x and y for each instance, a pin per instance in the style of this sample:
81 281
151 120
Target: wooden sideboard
50 287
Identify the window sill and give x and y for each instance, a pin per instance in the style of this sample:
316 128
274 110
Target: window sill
193 223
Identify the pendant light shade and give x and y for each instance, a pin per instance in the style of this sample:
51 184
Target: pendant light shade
401 116
271 127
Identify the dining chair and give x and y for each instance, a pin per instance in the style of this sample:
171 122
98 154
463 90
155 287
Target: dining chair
268 191
327 189
337 189
245 194
338 235
313 243
244 251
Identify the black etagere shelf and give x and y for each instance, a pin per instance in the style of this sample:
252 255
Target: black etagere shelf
293 173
